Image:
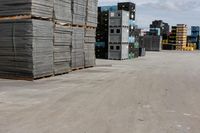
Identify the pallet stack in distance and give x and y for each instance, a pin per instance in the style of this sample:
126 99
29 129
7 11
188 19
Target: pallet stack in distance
181 38
43 38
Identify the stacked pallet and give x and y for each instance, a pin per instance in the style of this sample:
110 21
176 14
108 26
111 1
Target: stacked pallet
181 38
26 48
152 43
142 52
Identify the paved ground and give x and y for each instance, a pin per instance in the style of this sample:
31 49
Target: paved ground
156 94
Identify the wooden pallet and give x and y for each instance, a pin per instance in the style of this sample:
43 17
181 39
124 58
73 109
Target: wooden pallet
78 26
63 24
86 67
15 77
90 27
117 59
78 68
19 77
44 77
22 17
63 73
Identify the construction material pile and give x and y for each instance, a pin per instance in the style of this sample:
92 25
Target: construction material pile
41 38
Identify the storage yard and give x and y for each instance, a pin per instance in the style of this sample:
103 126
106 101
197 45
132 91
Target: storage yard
73 66
156 93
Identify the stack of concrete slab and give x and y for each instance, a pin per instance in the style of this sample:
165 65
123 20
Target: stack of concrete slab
62 12
62 49
79 12
91 13
78 48
40 38
26 48
36 8
152 43
89 47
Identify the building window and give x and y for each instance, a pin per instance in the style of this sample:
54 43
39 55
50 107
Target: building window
118 30
111 31
111 47
117 47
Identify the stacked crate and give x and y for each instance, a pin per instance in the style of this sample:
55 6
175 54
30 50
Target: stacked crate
26 38
128 6
152 43
101 47
181 38
90 33
171 42
133 38
172 36
195 36
142 50
118 35
164 27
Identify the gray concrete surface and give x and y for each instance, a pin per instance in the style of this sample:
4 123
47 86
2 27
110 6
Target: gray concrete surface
159 93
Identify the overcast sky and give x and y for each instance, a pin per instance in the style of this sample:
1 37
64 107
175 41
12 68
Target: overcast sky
171 11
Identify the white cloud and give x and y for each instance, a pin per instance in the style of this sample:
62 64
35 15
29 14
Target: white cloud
171 11
108 2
